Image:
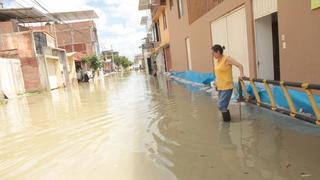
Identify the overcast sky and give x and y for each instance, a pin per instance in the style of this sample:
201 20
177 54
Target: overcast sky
118 23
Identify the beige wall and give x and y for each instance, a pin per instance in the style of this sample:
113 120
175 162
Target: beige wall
300 25
179 30
199 33
54 61
72 70
164 32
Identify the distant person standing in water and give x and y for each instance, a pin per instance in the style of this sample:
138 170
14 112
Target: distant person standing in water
224 79
155 69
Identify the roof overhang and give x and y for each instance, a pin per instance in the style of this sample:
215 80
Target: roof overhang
77 56
75 15
144 20
147 4
32 15
21 14
144 4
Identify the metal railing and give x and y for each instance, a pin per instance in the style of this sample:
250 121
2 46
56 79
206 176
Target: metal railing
307 88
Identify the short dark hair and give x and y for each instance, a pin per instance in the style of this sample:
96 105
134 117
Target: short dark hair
218 48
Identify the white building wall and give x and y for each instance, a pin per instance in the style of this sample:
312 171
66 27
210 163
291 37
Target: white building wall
11 78
160 62
264 7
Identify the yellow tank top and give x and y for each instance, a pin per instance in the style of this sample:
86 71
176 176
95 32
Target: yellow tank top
223 72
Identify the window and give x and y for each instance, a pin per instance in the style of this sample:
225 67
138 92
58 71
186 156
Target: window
156 32
171 4
180 8
164 20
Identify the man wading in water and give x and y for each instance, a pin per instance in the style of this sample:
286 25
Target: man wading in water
224 79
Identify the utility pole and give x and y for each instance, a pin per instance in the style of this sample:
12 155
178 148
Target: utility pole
1 4
112 59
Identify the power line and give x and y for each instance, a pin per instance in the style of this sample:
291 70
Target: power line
52 18
56 19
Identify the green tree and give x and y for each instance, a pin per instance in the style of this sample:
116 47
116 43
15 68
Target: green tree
122 61
85 60
94 62
117 60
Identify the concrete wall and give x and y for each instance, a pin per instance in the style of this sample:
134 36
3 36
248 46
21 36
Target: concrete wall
300 28
23 42
43 71
199 33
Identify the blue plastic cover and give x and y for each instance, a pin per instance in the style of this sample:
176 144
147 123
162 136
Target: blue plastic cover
198 77
299 98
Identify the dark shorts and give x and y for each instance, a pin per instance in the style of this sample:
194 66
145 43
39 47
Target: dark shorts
224 99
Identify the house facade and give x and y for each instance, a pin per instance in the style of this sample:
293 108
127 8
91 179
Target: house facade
273 39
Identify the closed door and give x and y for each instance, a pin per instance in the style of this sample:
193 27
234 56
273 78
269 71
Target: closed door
52 74
231 31
219 33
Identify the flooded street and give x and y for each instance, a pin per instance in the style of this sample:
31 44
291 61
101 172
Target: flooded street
136 127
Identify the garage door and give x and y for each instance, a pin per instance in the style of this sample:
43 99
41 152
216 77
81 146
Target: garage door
231 31
52 73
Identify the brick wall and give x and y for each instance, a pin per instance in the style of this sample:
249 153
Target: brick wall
73 36
11 26
24 44
6 27
76 47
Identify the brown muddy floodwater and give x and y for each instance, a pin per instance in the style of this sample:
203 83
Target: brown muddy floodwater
135 127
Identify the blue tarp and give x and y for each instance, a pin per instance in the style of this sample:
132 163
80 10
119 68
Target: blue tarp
197 77
300 99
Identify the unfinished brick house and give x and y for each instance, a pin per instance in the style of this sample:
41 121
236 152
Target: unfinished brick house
43 64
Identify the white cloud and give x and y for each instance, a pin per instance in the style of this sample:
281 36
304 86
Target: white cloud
118 23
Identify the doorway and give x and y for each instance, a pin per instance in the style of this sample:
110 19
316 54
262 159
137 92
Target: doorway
267 47
53 72
150 65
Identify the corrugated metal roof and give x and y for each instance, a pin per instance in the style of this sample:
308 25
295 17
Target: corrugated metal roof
20 14
144 20
74 16
32 15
